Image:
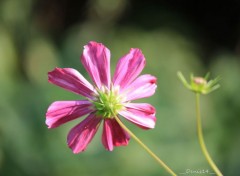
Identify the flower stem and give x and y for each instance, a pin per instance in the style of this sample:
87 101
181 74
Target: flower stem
145 147
201 140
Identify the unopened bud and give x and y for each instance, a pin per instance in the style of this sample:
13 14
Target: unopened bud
199 80
199 84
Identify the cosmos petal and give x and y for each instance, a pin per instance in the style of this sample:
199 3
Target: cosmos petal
96 60
141 114
60 112
113 135
144 86
70 79
128 68
81 135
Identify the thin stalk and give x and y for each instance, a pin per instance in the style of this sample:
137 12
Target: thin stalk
145 147
201 140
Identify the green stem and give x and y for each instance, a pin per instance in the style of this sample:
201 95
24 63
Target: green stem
145 147
201 140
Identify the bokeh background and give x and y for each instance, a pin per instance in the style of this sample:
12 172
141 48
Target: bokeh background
189 36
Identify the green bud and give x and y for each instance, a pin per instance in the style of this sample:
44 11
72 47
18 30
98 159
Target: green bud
199 84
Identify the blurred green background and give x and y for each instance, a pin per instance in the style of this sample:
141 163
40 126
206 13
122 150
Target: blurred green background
193 37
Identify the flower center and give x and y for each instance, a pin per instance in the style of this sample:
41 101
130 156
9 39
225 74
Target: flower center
108 102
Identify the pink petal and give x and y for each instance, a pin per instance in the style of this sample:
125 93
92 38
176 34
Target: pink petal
70 79
128 68
144 86
61 112
82 134
96 60
113 135
141 114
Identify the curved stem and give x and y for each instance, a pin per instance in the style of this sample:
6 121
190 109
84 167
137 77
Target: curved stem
145 147
201 140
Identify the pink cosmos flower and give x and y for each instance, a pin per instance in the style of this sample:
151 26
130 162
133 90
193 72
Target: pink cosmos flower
105 99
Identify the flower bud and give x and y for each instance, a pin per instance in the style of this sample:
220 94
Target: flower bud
199 81
200 84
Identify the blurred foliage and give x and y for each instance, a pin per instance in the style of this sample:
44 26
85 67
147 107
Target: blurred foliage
34 40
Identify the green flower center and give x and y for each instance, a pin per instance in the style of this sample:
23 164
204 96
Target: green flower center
108 102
